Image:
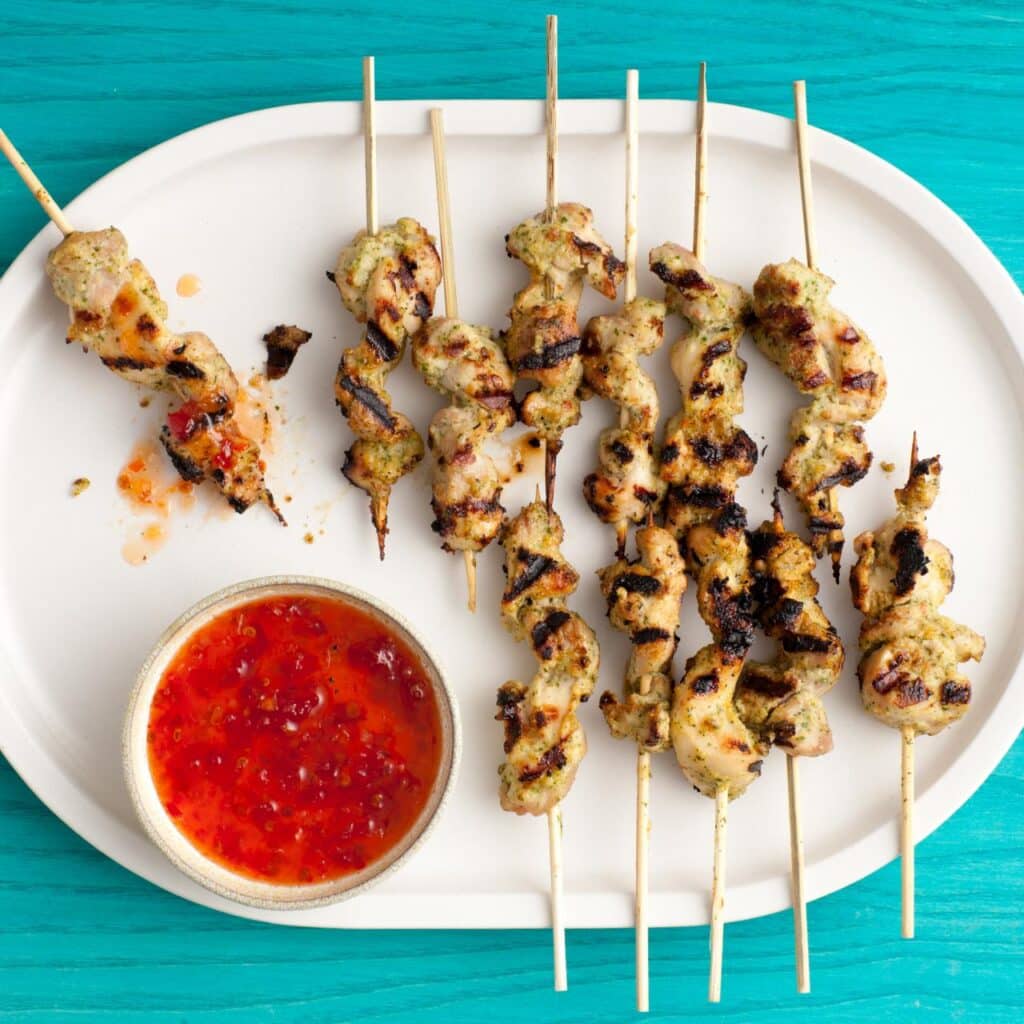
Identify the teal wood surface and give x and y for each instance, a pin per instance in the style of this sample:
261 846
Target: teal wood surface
935 88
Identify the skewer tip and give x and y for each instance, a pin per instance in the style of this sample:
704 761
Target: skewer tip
551 450
379 514
913 452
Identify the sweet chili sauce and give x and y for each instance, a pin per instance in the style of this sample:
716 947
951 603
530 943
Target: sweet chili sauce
294 739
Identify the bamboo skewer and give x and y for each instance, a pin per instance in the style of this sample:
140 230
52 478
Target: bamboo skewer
643 757
700 192
718 895
370 145
796 869
35 186
907 804
551 448
796 843
451 302
557 923
907 829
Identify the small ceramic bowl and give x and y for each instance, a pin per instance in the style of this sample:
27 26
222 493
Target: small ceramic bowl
176 845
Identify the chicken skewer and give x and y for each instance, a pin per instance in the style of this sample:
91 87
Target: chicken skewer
782 700
627 486
544 741
827 357
117 312
387 278
910 652
704 455
561 248
465 362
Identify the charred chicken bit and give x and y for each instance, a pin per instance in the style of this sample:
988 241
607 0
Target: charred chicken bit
910 653
467 364
715 747
643 602
117 312
705 453
544 741
627 486
387 281
782 699
831 359
561 250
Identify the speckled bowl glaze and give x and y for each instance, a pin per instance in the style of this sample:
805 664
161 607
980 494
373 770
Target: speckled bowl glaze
177 847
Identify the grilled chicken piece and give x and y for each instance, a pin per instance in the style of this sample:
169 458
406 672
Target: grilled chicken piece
387 281
543 340
544 741
283 343
626 487
910 653
714 746
705 453
643 601
828 357
465 363
117 312
782 699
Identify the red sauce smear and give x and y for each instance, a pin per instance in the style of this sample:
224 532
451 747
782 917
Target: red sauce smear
294 739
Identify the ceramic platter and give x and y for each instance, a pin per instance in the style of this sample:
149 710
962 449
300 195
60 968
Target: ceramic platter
257 208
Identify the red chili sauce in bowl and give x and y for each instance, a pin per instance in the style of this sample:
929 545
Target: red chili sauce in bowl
294 739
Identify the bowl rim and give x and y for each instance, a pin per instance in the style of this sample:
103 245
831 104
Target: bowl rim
268 895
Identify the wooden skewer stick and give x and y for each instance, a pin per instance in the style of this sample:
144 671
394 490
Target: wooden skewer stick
379 500
551 447
796 843
718 895
451 302
370 144
35 186
700 192
907 829
907 801
643 756
796 871
557 923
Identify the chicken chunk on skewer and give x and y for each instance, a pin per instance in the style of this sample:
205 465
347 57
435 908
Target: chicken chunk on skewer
643 602
388 282
910 653
705 452
465 362
831 359
627 486
544 741
782 699
561 250
714 745
117 312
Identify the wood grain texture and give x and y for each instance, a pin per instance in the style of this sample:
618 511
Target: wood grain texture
936 88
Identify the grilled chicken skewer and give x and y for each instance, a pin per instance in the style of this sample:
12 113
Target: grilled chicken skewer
704 455
387 278
561 248
910 653
626 487
544 741
827 357
466 363
117 312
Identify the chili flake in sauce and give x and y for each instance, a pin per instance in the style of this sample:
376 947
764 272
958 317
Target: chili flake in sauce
294 739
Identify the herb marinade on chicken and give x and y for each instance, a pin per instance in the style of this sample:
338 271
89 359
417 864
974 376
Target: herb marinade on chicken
544 741
387 281
910 652
830 358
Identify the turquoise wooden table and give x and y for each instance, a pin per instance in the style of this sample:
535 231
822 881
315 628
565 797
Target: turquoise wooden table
936 88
